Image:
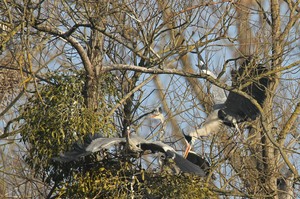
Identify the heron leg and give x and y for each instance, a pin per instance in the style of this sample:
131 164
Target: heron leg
238 129
236 126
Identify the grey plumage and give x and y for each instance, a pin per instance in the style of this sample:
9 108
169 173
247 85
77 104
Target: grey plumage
158 115
218 94
137 144
235 108
79 149
185 165
199 161
239 107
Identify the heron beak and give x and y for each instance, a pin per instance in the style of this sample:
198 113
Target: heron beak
187 150
155 116
152 116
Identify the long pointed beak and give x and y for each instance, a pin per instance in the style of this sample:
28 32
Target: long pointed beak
187 150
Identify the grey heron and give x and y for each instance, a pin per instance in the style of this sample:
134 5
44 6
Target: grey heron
135 144
234 108
158 115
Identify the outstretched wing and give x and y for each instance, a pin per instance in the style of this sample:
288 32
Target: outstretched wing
72 155
94 144
183 164
219 95
91 144
240 107
103 143
156 146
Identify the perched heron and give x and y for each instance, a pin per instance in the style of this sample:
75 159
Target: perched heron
133 143
234 108
158 115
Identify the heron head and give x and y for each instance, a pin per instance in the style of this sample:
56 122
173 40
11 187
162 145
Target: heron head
157 114
189 140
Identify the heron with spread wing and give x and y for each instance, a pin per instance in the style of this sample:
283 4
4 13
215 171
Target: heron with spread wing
133 144
234 108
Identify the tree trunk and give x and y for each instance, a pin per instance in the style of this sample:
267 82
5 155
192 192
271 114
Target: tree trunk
95 54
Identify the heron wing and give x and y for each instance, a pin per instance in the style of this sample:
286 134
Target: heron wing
219 95
239 107
155 147
91 144
210 126
78 149
185 165
242 108
103 143
198 160
71 155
